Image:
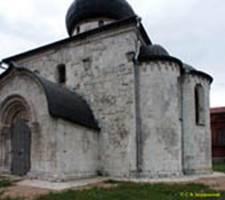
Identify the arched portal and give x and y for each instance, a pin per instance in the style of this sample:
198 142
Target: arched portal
15 118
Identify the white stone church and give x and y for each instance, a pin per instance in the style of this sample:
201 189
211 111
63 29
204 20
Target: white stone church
106 101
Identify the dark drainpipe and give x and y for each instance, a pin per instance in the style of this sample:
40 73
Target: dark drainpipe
182 120
139 138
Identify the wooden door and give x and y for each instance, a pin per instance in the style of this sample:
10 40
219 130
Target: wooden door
20 148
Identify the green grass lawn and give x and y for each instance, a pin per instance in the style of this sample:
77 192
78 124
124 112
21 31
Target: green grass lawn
219 167
131 191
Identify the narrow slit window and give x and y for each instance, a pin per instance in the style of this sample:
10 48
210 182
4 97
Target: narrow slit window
78 29
61 73
199 105
87 64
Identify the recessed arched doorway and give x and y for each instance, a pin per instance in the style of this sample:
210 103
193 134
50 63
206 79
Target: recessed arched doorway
15 116
20 144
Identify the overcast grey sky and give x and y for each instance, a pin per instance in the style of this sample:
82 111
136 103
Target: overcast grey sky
192 30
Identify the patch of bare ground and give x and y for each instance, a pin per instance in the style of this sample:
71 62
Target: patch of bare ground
217 183
96 185
26 192
30 193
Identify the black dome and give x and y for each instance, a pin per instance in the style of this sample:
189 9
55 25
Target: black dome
87 9
152 50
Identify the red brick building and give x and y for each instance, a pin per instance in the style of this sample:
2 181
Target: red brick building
218 133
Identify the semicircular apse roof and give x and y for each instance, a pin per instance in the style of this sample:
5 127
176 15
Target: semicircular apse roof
62 103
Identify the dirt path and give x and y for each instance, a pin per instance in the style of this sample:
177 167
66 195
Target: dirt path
215 183
30 193
24 191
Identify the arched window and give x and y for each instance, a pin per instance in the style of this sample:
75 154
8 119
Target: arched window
61 71
199 105
100 23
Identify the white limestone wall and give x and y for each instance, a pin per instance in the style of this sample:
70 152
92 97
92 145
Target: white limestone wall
43 137
102 74
197 155
77 151
160 118
98 68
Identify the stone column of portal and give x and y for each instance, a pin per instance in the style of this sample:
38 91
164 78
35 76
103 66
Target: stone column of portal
34 131
5 149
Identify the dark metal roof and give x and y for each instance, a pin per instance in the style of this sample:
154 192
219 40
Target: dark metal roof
88 9
188 68
202 74
153 50
191 70
156 52
62 103
58 44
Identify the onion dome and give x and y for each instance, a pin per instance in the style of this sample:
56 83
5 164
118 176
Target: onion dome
81 10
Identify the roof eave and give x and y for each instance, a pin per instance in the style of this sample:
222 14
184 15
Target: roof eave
114 25
160 58
202 74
